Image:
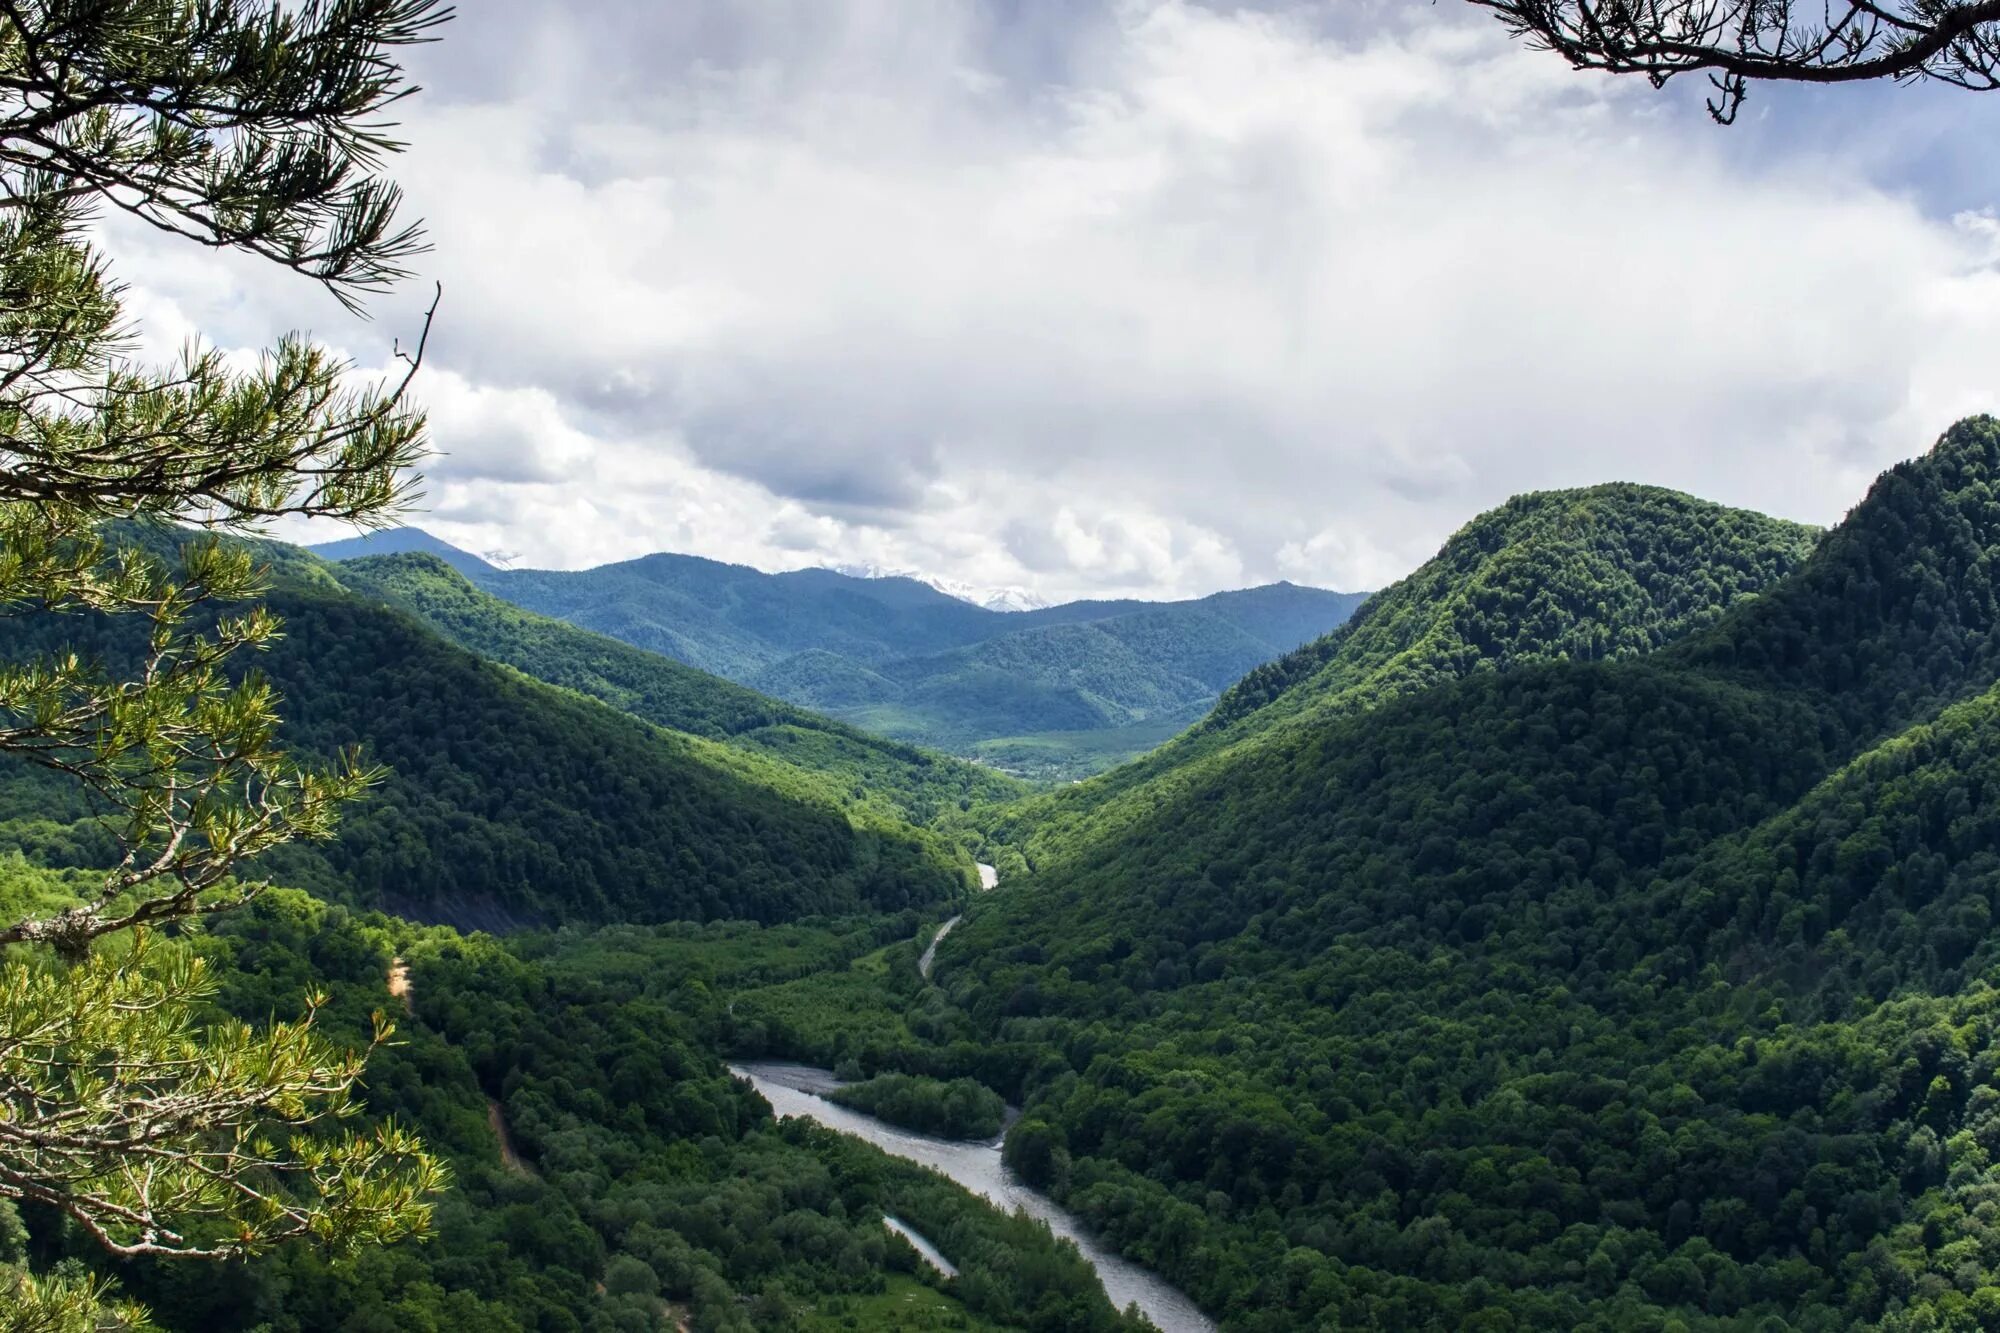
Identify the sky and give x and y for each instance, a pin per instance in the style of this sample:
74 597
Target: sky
1145 298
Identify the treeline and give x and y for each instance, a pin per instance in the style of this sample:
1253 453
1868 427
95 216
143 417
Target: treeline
961 1108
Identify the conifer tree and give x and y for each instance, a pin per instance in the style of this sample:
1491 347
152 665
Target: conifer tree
255 126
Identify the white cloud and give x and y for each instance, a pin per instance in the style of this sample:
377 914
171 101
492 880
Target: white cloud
1151 300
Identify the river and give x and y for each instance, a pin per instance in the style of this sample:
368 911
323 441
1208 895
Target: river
988 878
794 1090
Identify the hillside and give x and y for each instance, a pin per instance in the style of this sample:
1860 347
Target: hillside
1086 685
1585 575
1594 575
898 780
1074 686
735 621
1597 994
642 1185
511 801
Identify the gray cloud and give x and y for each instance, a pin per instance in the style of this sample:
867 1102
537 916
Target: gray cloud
1135 297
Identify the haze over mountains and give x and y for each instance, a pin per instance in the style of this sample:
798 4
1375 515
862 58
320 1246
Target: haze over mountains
1051 692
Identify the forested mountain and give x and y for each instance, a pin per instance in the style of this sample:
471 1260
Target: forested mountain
403 541
900 780
1596 574
1597 933
1586 575
510 801
897 657
1587 994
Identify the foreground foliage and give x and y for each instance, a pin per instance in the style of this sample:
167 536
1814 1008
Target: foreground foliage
251 127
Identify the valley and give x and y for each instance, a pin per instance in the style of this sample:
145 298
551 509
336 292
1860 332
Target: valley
1052 694
1602 908
1594 927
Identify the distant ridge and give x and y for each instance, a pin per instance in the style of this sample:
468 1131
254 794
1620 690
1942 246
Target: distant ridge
1050 692
403 541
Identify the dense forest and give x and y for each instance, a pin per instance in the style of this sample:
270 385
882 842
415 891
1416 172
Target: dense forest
963 1108
1590 575
1054 692
511 802
641 1185
1608 994
1516 957
1629 990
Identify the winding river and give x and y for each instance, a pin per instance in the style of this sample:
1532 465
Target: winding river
988 878
795 1090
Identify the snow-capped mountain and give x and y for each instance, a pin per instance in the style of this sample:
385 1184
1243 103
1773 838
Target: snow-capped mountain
1011 598
1008 598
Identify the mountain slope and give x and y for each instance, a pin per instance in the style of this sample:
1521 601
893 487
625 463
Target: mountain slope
1590 575
734 621
899 780
1597 574
1584 994
511 801
899 657
507 796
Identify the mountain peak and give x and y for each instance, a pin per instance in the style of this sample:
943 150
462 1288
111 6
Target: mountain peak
1898 609
1002 598
1602 571
403 541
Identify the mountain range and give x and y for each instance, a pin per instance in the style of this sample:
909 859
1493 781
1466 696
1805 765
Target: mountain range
539 773
1596 930
1052 692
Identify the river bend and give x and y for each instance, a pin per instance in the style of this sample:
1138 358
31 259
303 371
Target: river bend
794 1089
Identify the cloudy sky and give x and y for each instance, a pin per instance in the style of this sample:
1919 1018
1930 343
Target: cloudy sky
1145 297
